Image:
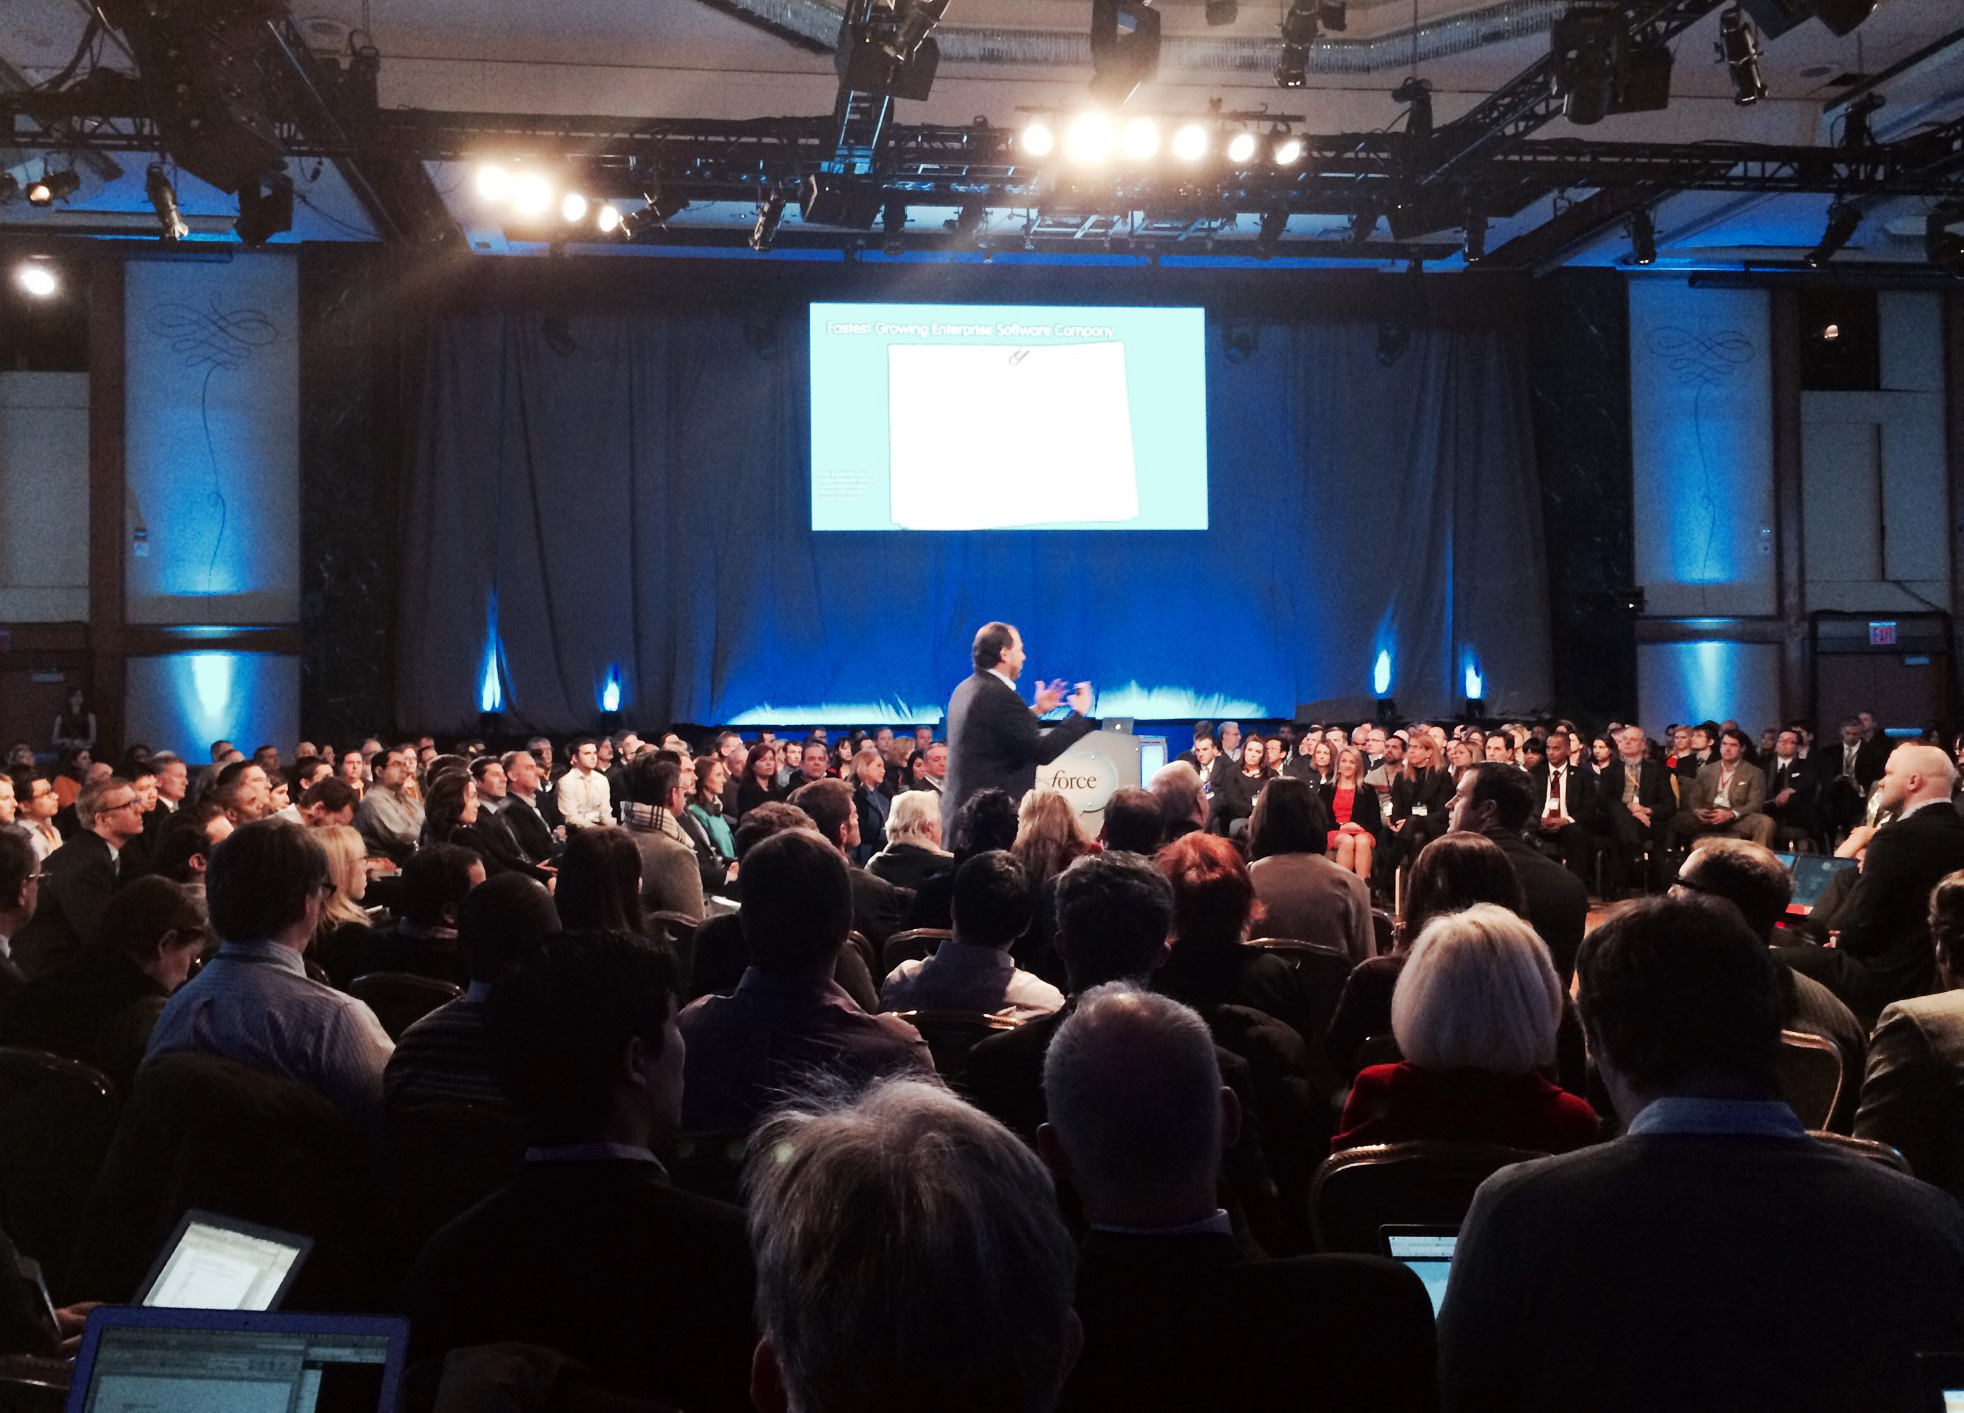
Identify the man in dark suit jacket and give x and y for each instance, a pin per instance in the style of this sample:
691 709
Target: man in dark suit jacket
1498 800
879 908
522 810
993 735
1568 816
1847 772
1882 952
1791 790
1176 1315
1640 815
79 878
591 1251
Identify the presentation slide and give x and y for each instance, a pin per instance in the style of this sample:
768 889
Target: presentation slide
1007 417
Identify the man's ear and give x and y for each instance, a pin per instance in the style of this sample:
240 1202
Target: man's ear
631 1070
1230 1118
1051 1150
767 1393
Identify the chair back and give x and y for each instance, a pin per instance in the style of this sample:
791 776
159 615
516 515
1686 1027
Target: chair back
1383 931
448 1157
56 1120
1868 1148
709 1164
202 1131
1321 971
679 928
911 946
1379 1049
1359 1190
401 998
1810 1065
950 1035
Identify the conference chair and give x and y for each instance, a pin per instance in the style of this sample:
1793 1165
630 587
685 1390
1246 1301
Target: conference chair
1379 1049
1810 1067
400 998
33 1383
1868 1148
950 1035
1321 970
1383 932
56 1119
448 1157
912 945
1424 1183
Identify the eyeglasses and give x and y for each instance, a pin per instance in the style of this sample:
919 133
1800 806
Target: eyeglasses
1692 885
326 888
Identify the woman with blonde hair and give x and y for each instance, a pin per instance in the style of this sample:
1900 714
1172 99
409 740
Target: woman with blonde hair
343 933
1048 836
1354 816
1475 1015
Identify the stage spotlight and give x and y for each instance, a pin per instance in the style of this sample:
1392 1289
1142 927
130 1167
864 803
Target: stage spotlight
1141 140
1241 148
770 211
573 207
493 181
1843 221
1274 223
893 222
1738 48
1643 237
265 209
1416 94
607 218
531 194
163 200
1223 12
1362 225
37 278
1476 237
1190 143
1039 138
1285 149
1089 138
1124 48
53 187
1588 53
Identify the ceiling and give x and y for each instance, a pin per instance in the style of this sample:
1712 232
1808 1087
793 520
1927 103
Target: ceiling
702 59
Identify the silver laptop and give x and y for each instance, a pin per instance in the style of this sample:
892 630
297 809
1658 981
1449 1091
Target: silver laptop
220 1263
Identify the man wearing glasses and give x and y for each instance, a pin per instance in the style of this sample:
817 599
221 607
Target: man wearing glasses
79 878
20 877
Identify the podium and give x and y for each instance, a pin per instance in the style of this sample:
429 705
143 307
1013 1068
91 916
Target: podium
1094 768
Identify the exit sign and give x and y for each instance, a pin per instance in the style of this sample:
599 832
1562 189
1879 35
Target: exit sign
1882 635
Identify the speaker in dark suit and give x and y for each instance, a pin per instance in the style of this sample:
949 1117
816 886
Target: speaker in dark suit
994 739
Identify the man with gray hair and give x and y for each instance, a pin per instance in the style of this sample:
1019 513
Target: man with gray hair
909 1255
1182 803
1882 952
1175 1314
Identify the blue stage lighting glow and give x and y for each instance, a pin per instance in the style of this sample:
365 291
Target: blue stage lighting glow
610 691
1128 699
211 688
491 690
1475 684
1381 673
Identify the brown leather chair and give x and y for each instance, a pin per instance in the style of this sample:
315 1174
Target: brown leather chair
950 1035
401 998
56 1119
1321 971
1810 1066
1359 1190
911 946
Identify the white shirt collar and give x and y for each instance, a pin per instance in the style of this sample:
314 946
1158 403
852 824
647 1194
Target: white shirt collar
1004 678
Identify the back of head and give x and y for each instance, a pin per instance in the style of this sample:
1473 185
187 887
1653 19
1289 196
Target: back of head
913 818
985 821
650 779
1509 787
600 882
1479 993
1947 924
760 822
992 640
1747 875
330 795
1132 821
259 877
1176 785
1678 992
909 1255
499 919
993 900
1455 871
1213 896
1048 835
1114 913
143 911
556 1027
183 838
1289 818
18 862
797 902
1133 1090
828 802
436 877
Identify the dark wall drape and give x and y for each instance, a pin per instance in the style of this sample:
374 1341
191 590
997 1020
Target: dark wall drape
629 491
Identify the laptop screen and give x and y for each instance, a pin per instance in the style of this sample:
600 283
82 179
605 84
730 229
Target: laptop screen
216 1263
1428 1251
1152 755
237 1362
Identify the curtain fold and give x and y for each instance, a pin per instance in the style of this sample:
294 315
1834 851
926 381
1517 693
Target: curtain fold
631 491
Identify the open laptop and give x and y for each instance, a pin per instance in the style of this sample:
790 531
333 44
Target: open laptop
221 1263
1427 1250
1811 873
1941 1377
237 1361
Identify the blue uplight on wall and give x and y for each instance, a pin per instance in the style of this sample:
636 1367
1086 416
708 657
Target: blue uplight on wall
610 690
211 690
1381 673
491 686
1475 684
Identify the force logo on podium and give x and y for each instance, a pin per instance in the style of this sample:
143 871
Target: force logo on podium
1092 770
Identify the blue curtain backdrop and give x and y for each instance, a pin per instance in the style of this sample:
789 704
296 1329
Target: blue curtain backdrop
628 493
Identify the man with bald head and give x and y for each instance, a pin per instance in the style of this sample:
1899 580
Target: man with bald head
1882 952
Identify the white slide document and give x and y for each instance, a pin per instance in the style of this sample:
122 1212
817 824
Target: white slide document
999 436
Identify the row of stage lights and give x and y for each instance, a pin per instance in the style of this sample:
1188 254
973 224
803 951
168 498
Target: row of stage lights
1093 138
532 197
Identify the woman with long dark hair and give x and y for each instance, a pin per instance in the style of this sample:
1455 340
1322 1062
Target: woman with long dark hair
600 882
759 784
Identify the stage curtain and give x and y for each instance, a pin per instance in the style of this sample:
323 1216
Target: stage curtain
629 492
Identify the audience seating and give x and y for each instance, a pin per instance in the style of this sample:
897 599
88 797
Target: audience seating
1383 931
950 1035
911 946
30 1383
1867 1148
447 1158
1359 1190
708 1164
1379 1049
400 998
524 1378
201 1131
56 1119
1811 1067
1321 971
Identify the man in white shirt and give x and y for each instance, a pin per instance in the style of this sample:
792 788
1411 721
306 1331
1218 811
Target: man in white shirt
972 971
584 800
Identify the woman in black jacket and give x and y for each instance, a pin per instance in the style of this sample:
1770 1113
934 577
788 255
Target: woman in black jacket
1421 798
1354 813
